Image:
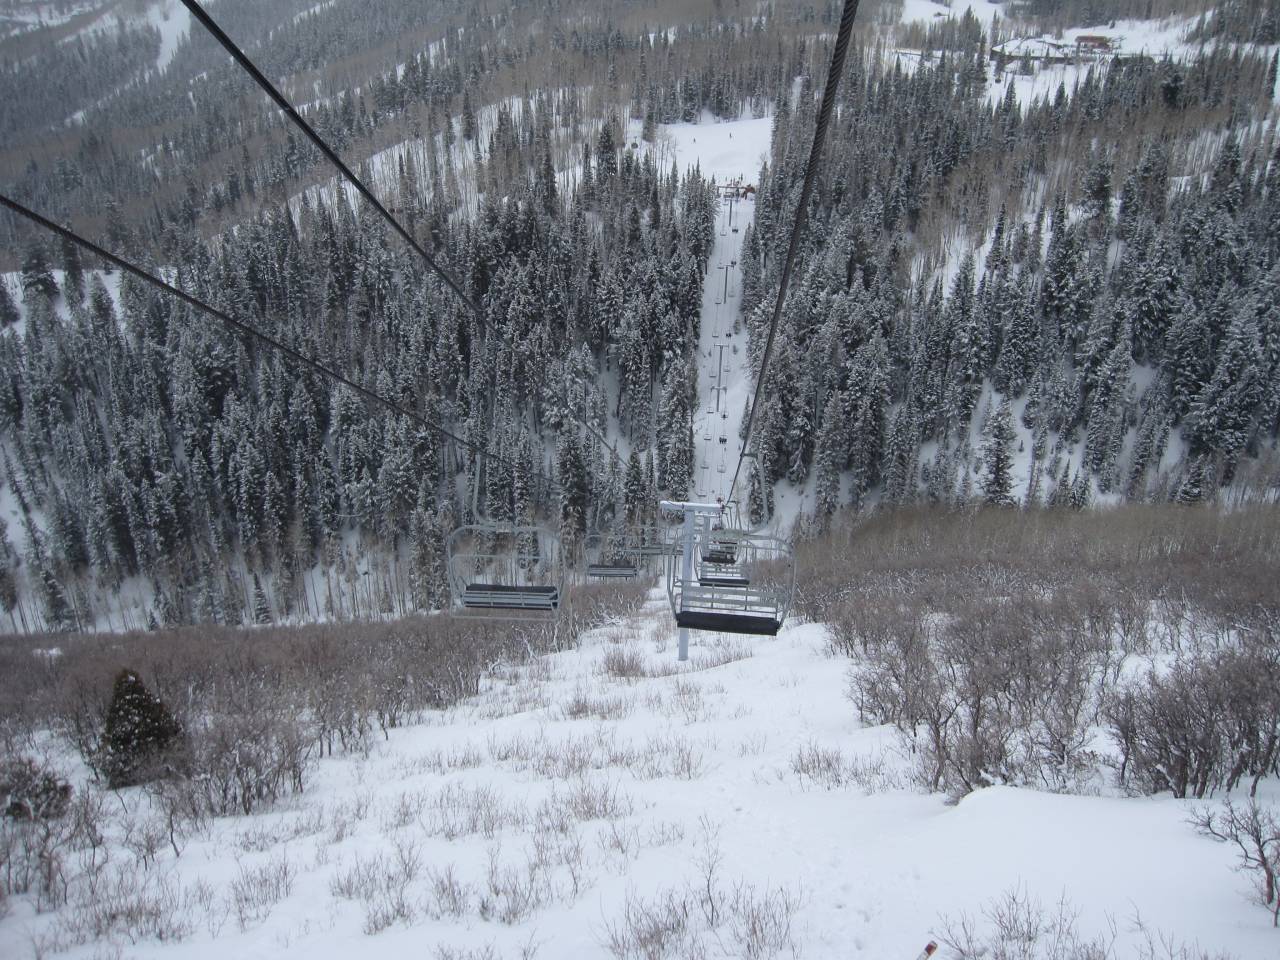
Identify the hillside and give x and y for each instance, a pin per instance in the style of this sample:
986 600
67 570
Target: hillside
604 800
1005 293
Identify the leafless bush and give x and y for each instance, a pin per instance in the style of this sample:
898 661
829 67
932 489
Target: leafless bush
722 651
261 836
655 930
46 856
677 923
487 952
761 922
450 897
587 606
1255 833
623 663
1016 925
830 769
405 809
459 811
256 890
122 903
687 701
1205 724
441 762
29 791
993 641
592 800
382 885
249 757
511 894
581 704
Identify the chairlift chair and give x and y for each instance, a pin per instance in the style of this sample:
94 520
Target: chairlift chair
612 558
655 542
505 571
750 594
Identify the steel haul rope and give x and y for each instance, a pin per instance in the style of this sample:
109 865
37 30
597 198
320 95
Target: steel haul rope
802 211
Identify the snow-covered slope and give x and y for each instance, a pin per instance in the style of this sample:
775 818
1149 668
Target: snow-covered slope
591 782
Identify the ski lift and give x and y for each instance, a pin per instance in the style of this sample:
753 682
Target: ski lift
505 571
749 594
654 542
612 558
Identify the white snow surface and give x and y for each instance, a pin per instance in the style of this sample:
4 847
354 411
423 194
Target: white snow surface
983 10
173 20
731 152
876 868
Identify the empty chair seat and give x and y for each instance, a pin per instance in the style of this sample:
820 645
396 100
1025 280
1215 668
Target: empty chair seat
612 570
723 580
501 596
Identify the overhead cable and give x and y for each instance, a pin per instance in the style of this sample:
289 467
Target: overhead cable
254 334
318 142
801 215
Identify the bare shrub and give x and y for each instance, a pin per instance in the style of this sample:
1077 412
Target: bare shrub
593 800
761 922
623 663
249 756
1205 724
450 897
1255 833
655 930
122 903
256 890
29 791
722 651
687 701
404 810
511 894
1016 926
459 811
582 704
382 884
831 769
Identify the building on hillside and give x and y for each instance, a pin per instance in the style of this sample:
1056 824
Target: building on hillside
1090 43
1031 50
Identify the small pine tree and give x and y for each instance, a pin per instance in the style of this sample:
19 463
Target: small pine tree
261 609
8 309
139 734
997 457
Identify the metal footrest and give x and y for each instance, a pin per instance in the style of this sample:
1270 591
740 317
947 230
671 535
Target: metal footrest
723 622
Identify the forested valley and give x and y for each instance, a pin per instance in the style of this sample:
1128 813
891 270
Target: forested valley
1078 290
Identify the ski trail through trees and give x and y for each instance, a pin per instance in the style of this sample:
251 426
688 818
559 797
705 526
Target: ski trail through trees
724 379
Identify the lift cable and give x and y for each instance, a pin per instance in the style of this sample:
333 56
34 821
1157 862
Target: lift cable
243 60
254 334
318 142
801 215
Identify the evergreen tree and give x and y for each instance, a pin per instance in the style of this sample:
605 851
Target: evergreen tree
37 278
829 458
139 736
1223 414
261 608
997 458
571 475
635 491
8 309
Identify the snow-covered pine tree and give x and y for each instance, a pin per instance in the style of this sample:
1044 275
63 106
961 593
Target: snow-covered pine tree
997 458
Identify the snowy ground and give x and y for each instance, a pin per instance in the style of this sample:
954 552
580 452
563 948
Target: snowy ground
732 152
605 775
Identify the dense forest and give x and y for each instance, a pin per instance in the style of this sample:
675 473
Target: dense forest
1088 277
1105 287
